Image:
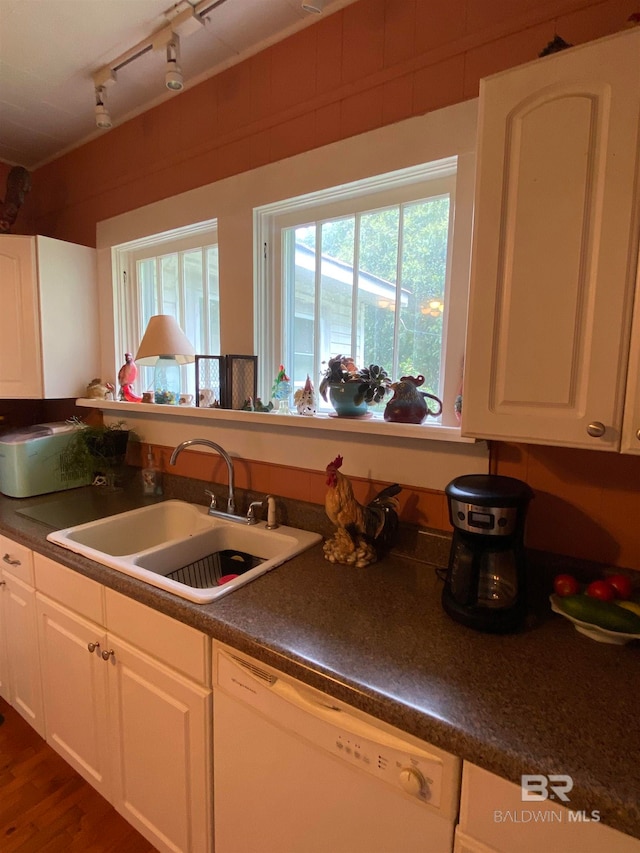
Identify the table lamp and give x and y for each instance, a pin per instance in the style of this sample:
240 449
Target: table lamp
165 347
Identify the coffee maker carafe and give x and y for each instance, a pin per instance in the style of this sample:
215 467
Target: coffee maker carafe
485 582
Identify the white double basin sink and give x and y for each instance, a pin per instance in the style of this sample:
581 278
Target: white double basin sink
179 547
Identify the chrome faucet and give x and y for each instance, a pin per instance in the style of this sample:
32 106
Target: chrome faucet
231 504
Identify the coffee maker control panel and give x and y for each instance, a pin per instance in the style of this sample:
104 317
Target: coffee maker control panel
485 520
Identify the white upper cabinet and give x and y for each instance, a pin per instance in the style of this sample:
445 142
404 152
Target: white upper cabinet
49 332
631 425
555 248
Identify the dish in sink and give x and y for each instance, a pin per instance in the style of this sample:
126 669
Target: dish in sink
179 547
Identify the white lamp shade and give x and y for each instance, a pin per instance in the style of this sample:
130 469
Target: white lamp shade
163 336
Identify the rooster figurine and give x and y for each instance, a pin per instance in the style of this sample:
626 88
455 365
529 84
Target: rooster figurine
126 377
363 531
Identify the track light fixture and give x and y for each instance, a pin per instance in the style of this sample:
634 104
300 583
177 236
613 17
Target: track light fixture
183 19
314 7
103 119
173 75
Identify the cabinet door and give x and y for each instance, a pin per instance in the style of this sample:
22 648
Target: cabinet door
74 684
17 560
162 740
631 426
464 844
4 653
25 692
493 813
20 354
69 315
554 247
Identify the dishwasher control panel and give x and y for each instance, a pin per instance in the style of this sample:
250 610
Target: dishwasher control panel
417 775
412 767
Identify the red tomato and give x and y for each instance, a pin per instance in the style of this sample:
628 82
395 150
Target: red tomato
602 590
565 585
622 587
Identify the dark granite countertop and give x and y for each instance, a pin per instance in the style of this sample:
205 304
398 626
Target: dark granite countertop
547 700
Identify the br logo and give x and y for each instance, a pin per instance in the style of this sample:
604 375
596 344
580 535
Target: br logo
536 787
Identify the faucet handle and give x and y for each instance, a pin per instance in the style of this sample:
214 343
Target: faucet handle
214 502
251 512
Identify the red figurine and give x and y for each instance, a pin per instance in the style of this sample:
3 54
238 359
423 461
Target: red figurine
126 377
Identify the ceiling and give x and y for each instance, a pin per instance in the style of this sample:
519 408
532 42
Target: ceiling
50 50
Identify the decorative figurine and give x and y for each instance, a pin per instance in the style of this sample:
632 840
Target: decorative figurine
18 185
99 390
251 405
126 377
408 406
364 532
305 398
281 391
556 44
457 408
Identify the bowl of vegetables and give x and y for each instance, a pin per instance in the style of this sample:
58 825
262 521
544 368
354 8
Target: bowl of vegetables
606 610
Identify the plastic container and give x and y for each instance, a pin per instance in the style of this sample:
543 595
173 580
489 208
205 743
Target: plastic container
151 477
32 462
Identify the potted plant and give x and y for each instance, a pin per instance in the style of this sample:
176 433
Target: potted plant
96 450
351 389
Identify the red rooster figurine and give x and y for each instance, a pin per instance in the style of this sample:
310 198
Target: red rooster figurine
363 531
126 377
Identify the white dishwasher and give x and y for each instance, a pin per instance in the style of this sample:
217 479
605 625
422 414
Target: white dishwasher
296 771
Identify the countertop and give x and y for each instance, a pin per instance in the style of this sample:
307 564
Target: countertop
546 700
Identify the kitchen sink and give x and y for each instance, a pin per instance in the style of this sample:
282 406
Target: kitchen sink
179 547
139 529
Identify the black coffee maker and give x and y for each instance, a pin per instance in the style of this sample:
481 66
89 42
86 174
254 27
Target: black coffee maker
485 583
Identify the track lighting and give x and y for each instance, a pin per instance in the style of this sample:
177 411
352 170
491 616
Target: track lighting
103 119
315 7
173 75
183 23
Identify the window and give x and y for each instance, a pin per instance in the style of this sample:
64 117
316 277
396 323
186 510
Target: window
365 270
174 274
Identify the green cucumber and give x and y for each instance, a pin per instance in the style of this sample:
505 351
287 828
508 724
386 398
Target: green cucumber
631 606
604 614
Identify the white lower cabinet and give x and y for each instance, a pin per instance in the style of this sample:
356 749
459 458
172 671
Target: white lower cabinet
4 652
75 686
494 819
162 750
19 659
127 694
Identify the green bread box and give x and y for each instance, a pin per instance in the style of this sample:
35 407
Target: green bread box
30 462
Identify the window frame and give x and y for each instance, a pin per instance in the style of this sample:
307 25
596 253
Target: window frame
126 297
395 187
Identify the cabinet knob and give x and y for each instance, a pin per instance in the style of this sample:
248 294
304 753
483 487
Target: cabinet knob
108 654
93 646
7 559
638 434
596 429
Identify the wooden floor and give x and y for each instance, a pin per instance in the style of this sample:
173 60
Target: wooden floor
46 807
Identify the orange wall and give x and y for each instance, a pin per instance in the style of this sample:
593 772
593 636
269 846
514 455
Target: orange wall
374 63
587 502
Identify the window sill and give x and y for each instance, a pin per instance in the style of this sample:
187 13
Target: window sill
322 422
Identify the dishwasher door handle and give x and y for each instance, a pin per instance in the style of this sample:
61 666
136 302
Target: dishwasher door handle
324 709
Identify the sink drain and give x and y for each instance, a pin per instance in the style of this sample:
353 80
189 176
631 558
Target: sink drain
206 572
